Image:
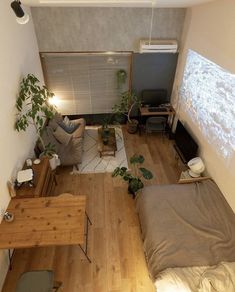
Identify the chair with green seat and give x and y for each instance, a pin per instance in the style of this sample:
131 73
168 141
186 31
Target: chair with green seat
37 281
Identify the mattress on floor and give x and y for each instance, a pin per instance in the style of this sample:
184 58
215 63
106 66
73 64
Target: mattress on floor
189 225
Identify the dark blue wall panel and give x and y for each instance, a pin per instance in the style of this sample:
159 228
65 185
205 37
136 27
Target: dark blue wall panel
153 71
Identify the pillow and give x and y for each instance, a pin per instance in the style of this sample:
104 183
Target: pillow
62 136
68 125
58 117
53 124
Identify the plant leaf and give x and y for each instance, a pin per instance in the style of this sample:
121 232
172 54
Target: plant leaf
147 174
137 159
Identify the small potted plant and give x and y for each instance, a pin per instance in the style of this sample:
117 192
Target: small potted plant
121 78
33 109
105 130
134 179
128 101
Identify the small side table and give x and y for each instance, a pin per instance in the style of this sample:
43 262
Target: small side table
111 147
185 178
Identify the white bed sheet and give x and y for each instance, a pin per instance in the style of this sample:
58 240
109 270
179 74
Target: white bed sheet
219 278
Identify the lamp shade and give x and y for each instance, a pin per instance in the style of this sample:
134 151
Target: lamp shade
23 20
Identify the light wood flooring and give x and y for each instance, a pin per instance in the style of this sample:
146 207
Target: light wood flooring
115 245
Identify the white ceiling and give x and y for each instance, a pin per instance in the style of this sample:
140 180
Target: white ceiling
115 3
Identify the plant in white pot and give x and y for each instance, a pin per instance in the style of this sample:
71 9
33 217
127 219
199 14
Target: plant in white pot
128 102
33 109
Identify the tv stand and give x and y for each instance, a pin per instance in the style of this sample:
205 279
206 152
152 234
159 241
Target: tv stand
180 154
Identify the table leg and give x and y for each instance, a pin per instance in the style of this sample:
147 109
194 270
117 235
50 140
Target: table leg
88 218
88 222
10 256
85 253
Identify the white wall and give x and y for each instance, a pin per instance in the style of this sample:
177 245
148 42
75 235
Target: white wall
210 30
18 56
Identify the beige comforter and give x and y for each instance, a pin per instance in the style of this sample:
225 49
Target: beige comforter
219 278
186 225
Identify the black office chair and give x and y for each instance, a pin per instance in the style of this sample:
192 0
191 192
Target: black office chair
38 281
156 124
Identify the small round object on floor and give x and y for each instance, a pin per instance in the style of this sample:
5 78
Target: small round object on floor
8 217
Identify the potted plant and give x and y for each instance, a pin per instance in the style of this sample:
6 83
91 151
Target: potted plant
134 179
121 78
128 101
33 109
105 130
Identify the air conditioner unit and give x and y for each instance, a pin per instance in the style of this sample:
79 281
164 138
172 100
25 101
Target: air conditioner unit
158 46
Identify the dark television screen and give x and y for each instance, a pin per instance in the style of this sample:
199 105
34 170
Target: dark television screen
187 146
154 97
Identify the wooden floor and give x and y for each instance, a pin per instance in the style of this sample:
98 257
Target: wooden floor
115 246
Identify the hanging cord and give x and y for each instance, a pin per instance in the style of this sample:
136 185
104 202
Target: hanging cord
151 22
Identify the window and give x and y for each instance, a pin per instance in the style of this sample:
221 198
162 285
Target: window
85 83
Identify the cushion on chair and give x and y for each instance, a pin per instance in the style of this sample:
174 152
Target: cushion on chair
62 136
68 125
36 281
79 132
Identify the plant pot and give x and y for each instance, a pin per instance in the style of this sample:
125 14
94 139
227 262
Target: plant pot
105 140
120 118
131 192
54 161
132 127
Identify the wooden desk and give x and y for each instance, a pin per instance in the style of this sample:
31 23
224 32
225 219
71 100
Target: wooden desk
145 112
48 221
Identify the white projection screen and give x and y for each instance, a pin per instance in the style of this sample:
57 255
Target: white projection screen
207 94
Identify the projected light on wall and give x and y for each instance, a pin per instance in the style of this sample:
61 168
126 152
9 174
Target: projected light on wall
207 94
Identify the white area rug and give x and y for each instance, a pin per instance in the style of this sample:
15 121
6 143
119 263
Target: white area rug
92 162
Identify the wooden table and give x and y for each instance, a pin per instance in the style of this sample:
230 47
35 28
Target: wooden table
48 221
111 147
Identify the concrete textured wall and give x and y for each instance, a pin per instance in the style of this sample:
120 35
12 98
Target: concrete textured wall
103 29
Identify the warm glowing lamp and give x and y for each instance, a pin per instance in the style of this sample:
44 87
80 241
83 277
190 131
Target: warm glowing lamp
53 100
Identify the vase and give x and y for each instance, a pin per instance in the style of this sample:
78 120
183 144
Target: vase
133 126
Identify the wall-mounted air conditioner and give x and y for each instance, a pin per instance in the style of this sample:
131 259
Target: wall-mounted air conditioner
158 46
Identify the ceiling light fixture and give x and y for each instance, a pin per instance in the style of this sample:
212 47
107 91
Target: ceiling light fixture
21 16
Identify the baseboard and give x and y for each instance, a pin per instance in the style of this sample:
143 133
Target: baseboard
4 265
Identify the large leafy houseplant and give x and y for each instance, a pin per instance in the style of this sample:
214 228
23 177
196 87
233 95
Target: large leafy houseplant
33 109
128 101
134 179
